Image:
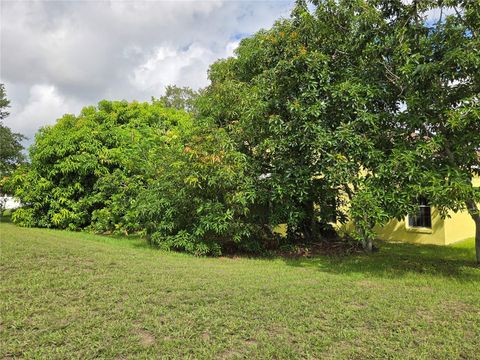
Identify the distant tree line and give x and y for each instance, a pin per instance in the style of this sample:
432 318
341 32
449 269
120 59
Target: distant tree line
346 111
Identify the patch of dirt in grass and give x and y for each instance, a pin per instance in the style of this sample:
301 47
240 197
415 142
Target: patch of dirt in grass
230 354
358 306
458 307
146 338
280 332
237 354
277 331
368 284
425 315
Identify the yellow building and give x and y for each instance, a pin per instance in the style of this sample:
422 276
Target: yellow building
429 228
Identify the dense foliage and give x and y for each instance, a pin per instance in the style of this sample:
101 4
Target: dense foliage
347 111
361 100
128 167
199 195
11 149
306 101
79 165
10 143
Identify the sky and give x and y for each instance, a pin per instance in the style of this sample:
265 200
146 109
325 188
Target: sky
59 56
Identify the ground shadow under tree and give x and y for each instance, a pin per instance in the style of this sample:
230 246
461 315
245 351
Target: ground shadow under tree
400 259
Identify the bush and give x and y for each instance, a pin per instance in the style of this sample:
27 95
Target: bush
87 170
123 168
198 200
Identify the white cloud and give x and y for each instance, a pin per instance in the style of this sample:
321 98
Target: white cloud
231 47
56 55
171 66
43 106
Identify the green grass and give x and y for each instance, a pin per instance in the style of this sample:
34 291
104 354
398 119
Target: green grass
74 295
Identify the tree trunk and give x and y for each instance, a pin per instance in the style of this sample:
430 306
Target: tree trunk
475 214
309 224
366 240
368 245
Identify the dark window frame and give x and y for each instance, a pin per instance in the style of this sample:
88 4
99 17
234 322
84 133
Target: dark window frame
423 218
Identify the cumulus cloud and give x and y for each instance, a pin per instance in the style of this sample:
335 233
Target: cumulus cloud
57 56
168 65
42 107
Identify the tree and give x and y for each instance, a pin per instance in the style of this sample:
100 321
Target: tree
11 155
10 150
304 100
435 66
86 170
198 197
10 143
180 98
359 100
4 103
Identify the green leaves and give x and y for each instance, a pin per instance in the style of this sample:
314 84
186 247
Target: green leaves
11 155
87 170
199 195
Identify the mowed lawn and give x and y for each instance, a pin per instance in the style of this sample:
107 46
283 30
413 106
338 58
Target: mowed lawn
68 295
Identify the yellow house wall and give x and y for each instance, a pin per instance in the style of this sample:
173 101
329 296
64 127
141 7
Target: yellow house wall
459 226
400 231
476 181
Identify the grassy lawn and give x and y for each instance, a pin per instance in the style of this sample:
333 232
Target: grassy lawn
76 295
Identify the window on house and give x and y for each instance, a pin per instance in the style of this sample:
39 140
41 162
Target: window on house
423 218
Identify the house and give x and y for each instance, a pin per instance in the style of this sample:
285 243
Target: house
8 202
427 226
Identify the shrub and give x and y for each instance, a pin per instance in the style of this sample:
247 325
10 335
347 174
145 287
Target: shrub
86 170
199 196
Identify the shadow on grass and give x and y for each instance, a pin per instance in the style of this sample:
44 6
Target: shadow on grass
400 259
5 219
131 240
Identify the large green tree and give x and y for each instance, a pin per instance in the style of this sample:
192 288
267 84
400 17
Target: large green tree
10 143
368 101
305 100
435 65
86 170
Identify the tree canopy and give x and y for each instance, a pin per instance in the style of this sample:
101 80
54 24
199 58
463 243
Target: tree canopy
138 167
11 147
347 111
368 101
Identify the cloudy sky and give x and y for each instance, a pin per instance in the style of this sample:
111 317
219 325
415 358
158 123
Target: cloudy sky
58 56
